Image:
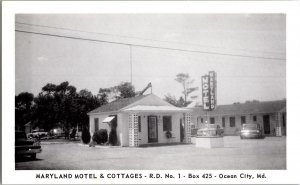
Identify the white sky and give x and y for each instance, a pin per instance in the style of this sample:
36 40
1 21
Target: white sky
93 65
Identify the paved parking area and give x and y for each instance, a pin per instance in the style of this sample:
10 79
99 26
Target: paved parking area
268 153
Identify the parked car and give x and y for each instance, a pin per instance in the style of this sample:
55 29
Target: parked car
37 134
26 147
210 130
251 130
56 132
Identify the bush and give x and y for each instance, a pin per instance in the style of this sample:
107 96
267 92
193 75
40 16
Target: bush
86 136
100 136
113 138
194 131
168 134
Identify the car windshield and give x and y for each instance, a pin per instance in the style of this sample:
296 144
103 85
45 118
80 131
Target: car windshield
250 126
205 126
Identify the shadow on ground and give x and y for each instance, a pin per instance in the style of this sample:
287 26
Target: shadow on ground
19 159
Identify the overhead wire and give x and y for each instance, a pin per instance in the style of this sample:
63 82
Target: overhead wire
140 38
149 46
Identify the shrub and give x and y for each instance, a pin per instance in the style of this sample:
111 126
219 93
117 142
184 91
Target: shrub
86 136
194 131
100 136
113 138
168 134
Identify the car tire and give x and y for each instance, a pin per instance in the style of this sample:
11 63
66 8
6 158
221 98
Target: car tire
33 156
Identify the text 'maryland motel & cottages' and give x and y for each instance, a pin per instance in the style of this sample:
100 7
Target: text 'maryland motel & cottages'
145 119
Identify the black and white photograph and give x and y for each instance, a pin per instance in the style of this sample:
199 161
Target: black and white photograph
143 97
141 91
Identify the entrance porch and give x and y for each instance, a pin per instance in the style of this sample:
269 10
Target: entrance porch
155 125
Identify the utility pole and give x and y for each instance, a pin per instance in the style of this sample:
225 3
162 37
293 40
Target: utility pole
130 46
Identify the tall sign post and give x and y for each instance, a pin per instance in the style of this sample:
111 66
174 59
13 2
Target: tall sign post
209 92
209 136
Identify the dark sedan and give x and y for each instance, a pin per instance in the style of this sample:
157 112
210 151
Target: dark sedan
251 130
25 147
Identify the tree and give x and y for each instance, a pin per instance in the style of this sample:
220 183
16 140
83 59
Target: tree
123 90
23 108
56 106
186 82
103 94
86 136
85 93
253 101
172 100
86 102
126 90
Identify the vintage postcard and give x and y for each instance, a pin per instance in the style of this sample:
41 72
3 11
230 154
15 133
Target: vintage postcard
120 92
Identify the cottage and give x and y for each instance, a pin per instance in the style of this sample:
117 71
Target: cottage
143 120
271 115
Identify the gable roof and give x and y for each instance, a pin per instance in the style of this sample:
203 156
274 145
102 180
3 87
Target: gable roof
245 108
125 103
117 104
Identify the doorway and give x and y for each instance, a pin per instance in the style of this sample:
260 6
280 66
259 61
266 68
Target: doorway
266 122
152 129
181 130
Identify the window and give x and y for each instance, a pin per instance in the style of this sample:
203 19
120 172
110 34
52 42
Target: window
199 121
243 119
167 124
212 120
254 118
223 122
96 122
139 123
232 121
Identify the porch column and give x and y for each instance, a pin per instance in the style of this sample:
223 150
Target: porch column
278 128
133 130
187 127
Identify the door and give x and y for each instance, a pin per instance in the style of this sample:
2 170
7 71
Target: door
181 130
152 129
266 121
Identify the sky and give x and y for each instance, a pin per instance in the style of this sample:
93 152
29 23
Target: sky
42 59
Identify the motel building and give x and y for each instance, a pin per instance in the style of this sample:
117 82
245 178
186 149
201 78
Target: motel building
270 115
143 120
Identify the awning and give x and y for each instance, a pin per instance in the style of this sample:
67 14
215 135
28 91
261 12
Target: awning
147 108
108 119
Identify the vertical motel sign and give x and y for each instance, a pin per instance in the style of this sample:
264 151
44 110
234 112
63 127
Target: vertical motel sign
209 91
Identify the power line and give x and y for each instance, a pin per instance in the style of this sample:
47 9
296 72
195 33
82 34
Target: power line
140 38
147 46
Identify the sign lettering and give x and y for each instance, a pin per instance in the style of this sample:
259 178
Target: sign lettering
209 91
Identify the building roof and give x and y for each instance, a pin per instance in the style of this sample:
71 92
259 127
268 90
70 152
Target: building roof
143 108
117 104
245 108
28 124
127 103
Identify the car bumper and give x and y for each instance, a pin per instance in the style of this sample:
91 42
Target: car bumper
250 135
26 150
29 151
